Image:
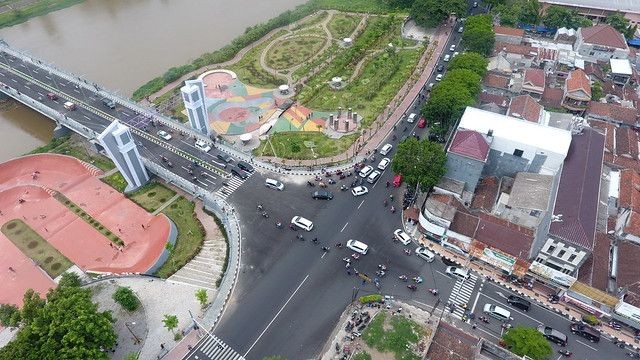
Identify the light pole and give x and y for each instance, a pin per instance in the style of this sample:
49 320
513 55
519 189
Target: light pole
136 340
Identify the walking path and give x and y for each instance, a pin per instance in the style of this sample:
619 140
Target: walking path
109 173
167 203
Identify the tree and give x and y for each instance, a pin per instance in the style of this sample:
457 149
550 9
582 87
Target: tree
9 315
509 14
559 16
447 102
478 35
70 279
403 4
527 341
32 303
126 298
470 60
202 297
596 91
420 162
530 12
274 357
170 322
467 78
430 13
622 24
67 326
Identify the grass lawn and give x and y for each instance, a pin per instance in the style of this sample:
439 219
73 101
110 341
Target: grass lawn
190 236
151 196
342 25
290 145
36 248
313 20
364 6
315 62
293 51
36 8
116 181
362 356
89 219
67 146
249 70
399 337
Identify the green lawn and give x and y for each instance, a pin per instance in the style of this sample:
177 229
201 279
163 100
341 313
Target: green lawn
290 145
151 196
362 356
400 335
66 146
36 248
342 25
116 181
311 21
249 70
190 236
293 51
36 8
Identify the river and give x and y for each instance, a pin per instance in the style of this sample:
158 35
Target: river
122 44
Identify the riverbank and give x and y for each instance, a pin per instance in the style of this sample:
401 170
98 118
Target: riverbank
14 12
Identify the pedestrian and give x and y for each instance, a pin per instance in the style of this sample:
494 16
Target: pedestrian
474 326
162 346
111 244
120 230
142 226
11 269
348 272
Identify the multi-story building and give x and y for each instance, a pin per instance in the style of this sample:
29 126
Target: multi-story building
577 91
601 42
598 10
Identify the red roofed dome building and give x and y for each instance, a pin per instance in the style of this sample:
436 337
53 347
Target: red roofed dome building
467 156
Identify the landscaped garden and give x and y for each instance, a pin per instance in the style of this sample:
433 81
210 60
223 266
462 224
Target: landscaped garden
251 72
394 334
343 25
293 51
303 145
151 196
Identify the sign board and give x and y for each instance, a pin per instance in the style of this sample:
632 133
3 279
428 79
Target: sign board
628 311
552 274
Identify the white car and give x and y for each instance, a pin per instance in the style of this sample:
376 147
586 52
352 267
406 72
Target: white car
365 171
402 236
497 312
201 145
302 223
386 149
357 246
425 254
446 58
439 77
460 273
359 190
452 48
455 54
163 134
383 164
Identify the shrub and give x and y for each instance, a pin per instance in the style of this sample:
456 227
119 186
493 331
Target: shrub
590 319
9 315
126 298
370 299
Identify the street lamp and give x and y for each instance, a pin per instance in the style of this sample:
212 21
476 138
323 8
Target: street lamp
136 340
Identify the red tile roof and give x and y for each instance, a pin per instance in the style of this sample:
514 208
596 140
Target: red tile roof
577 196
594 69
603 35
578 81
628 255
486 193
629 196
509 31
525 107
632 226
496 81
534 77
608 129
487 97
595 270
470 144
627 142
552 97
612 112
524 50
451 343
504 235
464 224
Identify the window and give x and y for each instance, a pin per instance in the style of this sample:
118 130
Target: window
572 257
540 260
518 152
551 249
561 253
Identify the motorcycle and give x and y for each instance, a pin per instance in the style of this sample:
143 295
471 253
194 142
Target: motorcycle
344 187
318 178
349 173
393 209
309 183
279 225
331 181
347 260
434 292
614 325
407 252
325 249
300 237
412 287
385 203
355 256
382 267
388 184
403 278
565 353
553 298
380 273
417 279
484 319
264 214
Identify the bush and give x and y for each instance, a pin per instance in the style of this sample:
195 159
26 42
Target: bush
126 298
370 299
591 320
9 315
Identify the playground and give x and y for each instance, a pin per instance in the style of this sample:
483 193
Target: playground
55 212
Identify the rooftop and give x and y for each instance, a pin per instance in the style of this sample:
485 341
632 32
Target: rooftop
451 343
578 190
552 97
632 6
440 209
525 107
523 50
608 129
595 270
505 236
604 35
465 224
486 193
620 66
628 255
632 226
496 81
503 30
611 112
535 77
531 191
629 195
451 185
487 97
525 132
627 142
577 80
471 144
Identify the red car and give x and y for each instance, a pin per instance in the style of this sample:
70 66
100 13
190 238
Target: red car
422 122
397 180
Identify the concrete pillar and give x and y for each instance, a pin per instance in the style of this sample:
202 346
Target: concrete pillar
60 131
331 122
355 117
346 125
339 111
349 113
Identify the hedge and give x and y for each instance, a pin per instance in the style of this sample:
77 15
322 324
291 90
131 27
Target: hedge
370 299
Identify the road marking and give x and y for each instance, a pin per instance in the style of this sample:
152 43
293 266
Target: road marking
62 84
76 90
14 80
323 254
473 308
360 204
345 225
86 117
275 317
41 94
27 86
48 77
514 310
423 304
126 113
590 347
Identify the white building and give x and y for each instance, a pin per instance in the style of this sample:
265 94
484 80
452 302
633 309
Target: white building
194 102
121 147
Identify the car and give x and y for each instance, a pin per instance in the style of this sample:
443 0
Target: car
430 86
52 96
402 236
322 195
203 146
439 77
422 123
386 149
274 184
455 54
425 254
374 176
239 173
446 58
448 261
69 106
358 246
519 302
461 29
585 331
108 103
383 164
452 48
440 68
359 190
245 166
553 335
164 135
302 223
497 312
475 4
411 118
458 272
397 180
365 171
224 158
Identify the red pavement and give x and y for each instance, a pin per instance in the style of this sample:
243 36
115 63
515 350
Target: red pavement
72 236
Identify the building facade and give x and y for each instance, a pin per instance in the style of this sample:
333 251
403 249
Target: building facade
117 141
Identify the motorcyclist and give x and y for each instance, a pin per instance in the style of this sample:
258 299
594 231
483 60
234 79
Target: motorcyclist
388 184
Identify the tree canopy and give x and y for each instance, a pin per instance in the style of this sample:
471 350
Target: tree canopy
471 61
527 341
430 13
67 325
478 35
420 162
622 24
560 16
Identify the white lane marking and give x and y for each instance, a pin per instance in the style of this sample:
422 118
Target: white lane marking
62 84
323 254
275 317
590 347
126 113
345 225
27 86
76 90
2 74
41 94
86 117
14 80
360 204
473 308
48 77
514 310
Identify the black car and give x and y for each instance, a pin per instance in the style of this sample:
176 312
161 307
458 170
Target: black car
440 68
322 195
109 103
448 262
239 173
245 166
518 302
224 157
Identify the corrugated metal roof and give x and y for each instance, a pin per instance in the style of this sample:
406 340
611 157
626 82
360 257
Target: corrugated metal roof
611 5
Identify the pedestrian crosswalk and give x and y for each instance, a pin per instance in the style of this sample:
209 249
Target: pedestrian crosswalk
230 185
212 348
460 295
